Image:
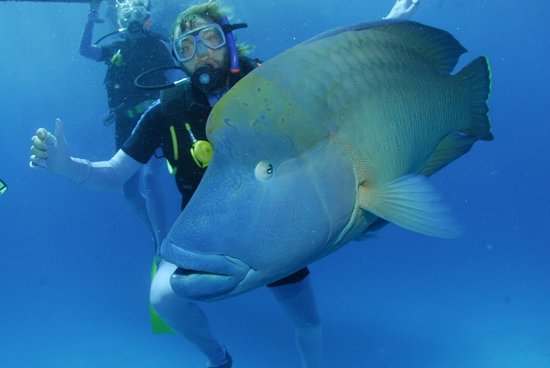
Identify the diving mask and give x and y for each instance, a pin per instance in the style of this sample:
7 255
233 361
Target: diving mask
210 35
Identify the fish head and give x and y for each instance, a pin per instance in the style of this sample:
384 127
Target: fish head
276 196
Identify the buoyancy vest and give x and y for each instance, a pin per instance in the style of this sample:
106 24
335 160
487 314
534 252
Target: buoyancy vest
185 104
127 59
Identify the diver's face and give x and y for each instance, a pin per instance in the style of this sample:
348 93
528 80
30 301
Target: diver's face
218 59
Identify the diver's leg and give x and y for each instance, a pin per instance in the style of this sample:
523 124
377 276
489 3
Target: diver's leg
162 210
299 303
132 193
185 317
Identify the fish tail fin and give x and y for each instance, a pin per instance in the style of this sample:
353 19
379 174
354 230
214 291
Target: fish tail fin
476 77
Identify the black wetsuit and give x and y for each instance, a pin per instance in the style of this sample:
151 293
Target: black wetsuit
177 106
126 60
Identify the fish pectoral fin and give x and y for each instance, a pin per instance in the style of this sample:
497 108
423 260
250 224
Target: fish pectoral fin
410 202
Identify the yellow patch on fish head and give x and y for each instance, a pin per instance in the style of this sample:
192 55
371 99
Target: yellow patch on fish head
257 106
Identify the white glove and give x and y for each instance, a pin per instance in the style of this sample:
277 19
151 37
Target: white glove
51 152
403 9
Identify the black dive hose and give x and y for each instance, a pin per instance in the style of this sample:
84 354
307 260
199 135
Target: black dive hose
108 35
158 87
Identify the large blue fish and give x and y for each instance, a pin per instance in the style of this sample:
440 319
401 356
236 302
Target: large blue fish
322 144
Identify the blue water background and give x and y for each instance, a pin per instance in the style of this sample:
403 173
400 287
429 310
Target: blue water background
75 262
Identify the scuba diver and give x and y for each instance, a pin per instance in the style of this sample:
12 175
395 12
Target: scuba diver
136 51
204 47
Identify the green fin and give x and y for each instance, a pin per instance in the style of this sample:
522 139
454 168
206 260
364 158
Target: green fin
451 147
477 79
410 202
439 46
3 187
158 325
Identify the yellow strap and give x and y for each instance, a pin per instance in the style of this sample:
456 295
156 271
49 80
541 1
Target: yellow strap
188 127
173 170
175 142
116 59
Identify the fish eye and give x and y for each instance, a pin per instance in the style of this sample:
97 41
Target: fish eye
263 171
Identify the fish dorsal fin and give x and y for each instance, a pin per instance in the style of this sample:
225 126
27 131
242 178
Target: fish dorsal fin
410 202
439 46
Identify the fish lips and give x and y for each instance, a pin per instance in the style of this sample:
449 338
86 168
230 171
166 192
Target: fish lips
203 277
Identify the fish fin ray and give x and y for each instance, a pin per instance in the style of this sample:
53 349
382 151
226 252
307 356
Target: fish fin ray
412 203
439 46
451 147
477 79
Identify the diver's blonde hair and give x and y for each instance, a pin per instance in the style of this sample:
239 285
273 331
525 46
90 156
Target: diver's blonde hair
211 10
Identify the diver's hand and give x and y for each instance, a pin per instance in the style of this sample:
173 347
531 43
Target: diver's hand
93 14
94 5
403 9
50 151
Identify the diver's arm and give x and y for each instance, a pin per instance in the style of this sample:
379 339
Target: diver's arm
51 152
112 173
87 48
403 9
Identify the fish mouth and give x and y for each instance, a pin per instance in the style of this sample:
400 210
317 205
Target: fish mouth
203 277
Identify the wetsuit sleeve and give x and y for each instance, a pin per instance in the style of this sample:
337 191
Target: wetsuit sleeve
87 48
112 173
147 136
101 174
